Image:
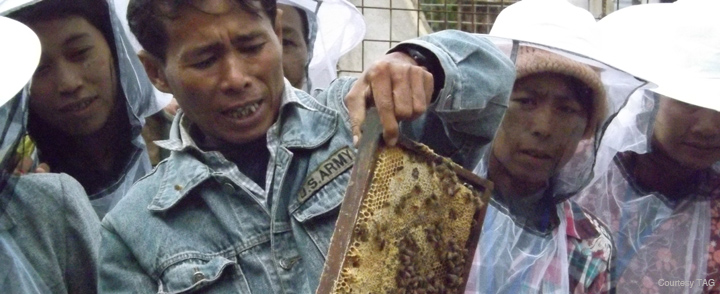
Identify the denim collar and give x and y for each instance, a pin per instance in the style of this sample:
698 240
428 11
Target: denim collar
304 124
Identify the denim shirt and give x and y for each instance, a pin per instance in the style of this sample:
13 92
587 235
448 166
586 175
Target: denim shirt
192 225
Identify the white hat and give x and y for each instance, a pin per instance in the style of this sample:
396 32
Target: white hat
19 56
676 46
558 24
341 28
555 23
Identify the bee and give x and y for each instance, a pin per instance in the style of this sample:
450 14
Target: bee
452 214
381 246
415 173
361 232
417 189
453 279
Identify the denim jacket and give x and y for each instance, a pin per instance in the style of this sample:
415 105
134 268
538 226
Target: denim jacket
191 225
49 236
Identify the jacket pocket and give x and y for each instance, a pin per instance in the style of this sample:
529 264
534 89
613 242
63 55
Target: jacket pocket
325 200
215 274
319 213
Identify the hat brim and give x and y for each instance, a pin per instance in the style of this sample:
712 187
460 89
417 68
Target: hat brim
699 92
19 57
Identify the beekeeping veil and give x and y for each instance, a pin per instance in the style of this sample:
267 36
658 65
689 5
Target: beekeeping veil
134 88
17 64
514 254
658 240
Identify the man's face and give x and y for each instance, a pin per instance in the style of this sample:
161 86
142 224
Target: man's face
74 87
295 49
688 134
225 70
541 129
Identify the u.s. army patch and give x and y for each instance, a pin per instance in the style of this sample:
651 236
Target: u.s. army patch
332 167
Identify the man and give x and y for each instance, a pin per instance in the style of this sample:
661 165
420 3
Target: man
315 35
247 200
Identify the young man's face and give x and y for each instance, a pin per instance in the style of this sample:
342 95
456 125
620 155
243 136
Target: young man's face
541 129
74 87
688 134
225 70
295 50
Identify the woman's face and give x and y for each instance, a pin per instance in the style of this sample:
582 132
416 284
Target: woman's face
541 129
74 87
689 134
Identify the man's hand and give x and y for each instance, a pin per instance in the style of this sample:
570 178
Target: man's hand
397 86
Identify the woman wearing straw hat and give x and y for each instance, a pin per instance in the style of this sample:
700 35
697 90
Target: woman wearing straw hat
661 192
49 234
535 240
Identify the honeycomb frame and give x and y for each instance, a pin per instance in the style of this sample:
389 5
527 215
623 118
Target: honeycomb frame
409 223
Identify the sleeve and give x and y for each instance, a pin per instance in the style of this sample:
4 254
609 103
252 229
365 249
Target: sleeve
82 238
120 271
478 80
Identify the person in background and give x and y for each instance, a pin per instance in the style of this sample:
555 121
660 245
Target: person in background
296 45
660 189
315 35
88 98
49 233
234 207
535 240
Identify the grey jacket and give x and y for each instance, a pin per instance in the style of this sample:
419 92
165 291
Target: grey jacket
191 225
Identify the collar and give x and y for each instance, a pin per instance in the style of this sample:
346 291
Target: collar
181 174
299 113
304 123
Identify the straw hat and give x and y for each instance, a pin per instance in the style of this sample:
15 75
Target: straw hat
19 56
531 60
676 46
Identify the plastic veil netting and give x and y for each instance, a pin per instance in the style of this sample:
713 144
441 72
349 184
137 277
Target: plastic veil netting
662 244
514 258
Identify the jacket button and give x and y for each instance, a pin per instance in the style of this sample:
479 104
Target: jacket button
178 187
198 276
288 263
228 188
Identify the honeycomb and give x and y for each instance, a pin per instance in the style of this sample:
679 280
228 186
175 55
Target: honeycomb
412 230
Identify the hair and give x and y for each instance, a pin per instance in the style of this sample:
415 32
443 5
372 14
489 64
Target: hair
145 18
